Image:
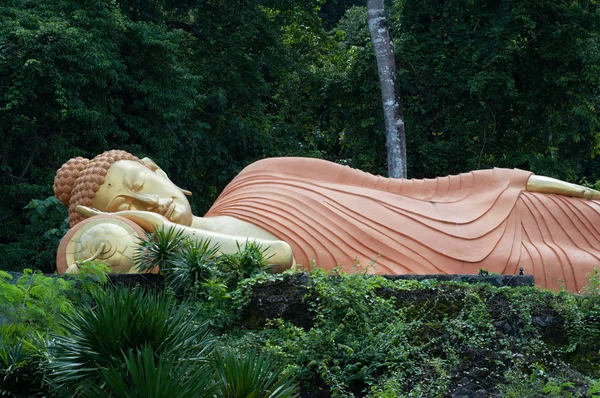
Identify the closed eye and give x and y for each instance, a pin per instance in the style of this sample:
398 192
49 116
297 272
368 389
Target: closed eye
135 180
137 185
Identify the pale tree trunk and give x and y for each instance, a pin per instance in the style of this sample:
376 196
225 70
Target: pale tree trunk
392 107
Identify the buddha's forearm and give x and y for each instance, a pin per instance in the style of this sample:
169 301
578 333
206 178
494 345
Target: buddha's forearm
278 252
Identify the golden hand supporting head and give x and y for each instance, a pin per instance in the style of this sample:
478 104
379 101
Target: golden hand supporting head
109 239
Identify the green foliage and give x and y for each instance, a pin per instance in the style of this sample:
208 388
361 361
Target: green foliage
159 249
137 344
21 353
34 300
36 247
197 268
250 375
488 92
369 336
78 78
582 316
192 267
357 336
91 278
123 322
248 261
554 389
31 307
407 338
92 274
475 78
149 375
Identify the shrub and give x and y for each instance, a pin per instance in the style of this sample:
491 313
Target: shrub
122 322
35 245
34 300
159 249
246 262
149 375
191 267
407 338
250 375
22 354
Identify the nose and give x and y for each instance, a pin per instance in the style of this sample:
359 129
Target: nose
164 203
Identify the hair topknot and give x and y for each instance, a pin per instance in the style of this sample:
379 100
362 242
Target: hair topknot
78 180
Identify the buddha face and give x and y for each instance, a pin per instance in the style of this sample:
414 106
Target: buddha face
129 185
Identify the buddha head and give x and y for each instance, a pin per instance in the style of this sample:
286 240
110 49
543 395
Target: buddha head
117 180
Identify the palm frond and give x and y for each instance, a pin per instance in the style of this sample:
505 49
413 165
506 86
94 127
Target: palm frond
149 375
194 264
123 321
250 375
159 249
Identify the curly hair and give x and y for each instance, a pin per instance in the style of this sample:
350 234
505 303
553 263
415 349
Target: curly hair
78 180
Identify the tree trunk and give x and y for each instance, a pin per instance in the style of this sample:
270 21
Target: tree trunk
392 107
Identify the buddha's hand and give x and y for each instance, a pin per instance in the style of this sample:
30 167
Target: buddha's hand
148 220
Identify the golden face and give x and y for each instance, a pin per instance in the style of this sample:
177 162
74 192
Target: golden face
129 185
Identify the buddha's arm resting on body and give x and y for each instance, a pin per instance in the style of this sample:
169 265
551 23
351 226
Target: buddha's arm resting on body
279 253
553 186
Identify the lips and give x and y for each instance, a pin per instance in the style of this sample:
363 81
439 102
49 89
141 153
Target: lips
171 212
168 209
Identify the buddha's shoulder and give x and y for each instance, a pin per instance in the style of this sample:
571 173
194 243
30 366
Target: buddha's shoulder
292 165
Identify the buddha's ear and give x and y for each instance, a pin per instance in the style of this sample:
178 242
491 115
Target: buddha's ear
151 164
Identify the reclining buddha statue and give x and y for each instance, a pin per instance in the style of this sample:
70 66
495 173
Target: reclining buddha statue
311 211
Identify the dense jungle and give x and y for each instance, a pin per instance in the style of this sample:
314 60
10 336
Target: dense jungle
206 87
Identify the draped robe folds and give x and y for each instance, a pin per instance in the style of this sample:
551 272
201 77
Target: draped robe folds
333 215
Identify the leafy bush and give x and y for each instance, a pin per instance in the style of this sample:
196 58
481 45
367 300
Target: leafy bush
22 354
150 375
192 267
250 375
38 242
582 317
35 300
134 343
246 262
382 338
159 249
368 336
120 323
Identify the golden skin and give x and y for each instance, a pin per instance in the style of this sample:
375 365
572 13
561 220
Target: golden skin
148 198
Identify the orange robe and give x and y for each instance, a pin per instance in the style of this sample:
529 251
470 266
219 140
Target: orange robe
334 214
